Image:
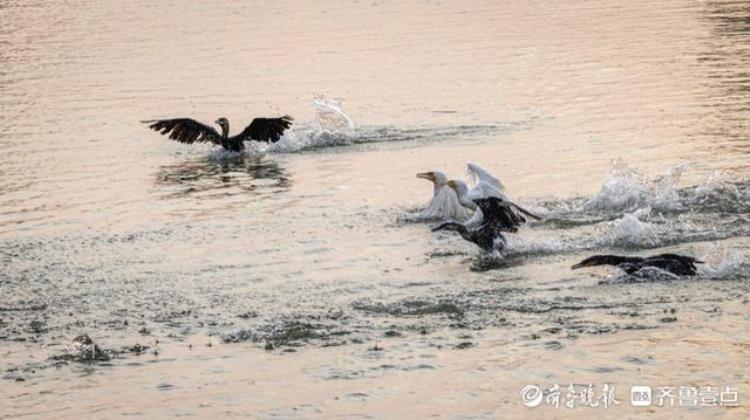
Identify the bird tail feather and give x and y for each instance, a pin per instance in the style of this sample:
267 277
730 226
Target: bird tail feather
526 212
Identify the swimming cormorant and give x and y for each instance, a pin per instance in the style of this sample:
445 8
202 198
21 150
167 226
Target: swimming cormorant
676 264
186 130
498 217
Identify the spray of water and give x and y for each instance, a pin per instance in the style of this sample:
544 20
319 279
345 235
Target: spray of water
627 190
331 127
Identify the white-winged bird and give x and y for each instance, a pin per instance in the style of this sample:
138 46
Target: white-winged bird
444 204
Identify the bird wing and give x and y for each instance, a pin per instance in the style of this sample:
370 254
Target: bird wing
445 205
265 129
685 258
524 211
678 264
185 130
483 190
481 174
499 214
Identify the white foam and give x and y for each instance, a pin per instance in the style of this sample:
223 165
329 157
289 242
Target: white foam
330 116
288 143
520 244
331 127
726 264
621 190
715 183
643 275
631 230
627 190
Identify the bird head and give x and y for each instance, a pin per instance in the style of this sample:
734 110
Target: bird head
594 261
222 122
458 186
427 175
437 178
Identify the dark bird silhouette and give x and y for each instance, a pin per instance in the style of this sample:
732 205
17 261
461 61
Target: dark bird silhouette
500 213
186 130
676 264
498 217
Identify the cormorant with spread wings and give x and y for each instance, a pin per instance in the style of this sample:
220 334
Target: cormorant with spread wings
186 130
499 217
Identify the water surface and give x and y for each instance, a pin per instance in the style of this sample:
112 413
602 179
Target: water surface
624 123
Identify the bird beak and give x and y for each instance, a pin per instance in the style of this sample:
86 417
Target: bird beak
217 122
441 226
426 175
577 266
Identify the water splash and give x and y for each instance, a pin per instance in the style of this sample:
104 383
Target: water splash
288 143
621 190
714 209
330 117
719 193
83 350
521 245
631 231
644 275
331 127
627 190
719 263
716 184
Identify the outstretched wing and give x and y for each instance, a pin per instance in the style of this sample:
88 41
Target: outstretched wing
484 189
265 129
499 214
185 130
481 174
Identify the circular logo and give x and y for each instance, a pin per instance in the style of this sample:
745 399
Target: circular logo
531 395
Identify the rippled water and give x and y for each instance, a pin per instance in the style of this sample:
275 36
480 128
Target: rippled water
623 123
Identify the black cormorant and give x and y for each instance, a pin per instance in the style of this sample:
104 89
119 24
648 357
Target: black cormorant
498 217
186 130
675 264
